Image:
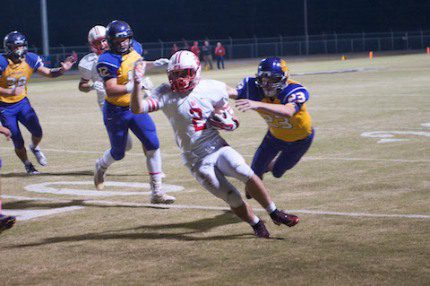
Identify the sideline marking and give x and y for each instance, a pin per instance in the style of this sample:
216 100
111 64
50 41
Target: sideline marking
197 207
30 214
44 188
390 134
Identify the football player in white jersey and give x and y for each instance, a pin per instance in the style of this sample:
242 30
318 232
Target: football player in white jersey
90 79
196 110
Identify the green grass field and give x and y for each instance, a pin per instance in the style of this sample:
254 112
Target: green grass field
378 232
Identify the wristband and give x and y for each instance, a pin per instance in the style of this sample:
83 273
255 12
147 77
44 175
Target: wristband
129 86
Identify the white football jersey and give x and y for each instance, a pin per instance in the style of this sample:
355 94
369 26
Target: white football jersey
88 71
188 114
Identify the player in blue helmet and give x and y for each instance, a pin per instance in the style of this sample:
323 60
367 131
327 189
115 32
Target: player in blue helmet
16 67
6 222
115 67
116 31
282 103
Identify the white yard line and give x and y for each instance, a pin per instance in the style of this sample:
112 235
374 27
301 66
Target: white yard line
306 158
196 207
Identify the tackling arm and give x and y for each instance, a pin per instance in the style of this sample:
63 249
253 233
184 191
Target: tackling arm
284 110
232 92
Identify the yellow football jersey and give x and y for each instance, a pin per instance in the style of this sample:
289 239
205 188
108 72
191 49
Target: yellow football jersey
17 74
120 67
295 128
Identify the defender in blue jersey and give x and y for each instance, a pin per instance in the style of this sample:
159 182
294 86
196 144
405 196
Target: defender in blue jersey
115 67
6 222
282 103
16 67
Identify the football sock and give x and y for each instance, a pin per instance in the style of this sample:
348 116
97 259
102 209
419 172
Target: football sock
34 148
107 159
254 220
153 162
27 162
271 208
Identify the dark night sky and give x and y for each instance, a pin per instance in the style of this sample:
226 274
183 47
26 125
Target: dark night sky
69 21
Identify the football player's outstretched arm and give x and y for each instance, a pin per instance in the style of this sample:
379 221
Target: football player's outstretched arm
284 110
137 103
56 72
232 92
157 63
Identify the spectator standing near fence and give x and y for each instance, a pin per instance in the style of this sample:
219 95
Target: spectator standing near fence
195 49
219 54
207 55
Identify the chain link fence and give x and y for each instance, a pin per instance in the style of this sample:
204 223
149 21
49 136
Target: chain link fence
281 46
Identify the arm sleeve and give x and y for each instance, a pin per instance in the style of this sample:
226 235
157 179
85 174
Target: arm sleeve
34 61
137 47
107 70
242 89
156 101
298 96
3 65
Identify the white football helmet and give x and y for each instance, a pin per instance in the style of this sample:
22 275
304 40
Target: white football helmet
184 71
97 39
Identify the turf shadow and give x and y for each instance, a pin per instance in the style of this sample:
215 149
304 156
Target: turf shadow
150 232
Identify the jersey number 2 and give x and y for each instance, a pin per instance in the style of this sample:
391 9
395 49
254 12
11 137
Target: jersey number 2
198 122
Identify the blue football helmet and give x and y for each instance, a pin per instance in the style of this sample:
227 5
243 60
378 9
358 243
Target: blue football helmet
12 42
272 75
119 30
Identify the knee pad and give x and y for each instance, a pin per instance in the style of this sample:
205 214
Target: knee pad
278 174
37 132
117 154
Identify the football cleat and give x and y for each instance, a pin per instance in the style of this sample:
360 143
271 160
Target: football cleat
162 199
99 175
281 217
29 168
6 222
41 159
260 230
